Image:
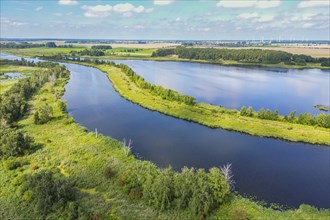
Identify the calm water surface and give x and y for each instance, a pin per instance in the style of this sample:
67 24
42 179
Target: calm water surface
269 169
233 87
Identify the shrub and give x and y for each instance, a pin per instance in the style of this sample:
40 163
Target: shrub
11 164
108 173
43 114
238 213
62 105
163 190
135 193
46 191
13 142
183 187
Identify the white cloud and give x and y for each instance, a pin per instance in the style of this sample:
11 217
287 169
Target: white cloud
256 17
98 11
7 22
178 19
163 2
248 15
101 11
310 4
68 2
127 14
39 8
148 10
97 8
123 7
249 4
139 9
303 17
265 18
308 25
58 14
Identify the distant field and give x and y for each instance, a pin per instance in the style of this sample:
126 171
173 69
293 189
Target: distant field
311 51
131 45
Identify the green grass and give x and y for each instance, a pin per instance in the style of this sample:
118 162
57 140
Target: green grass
82 157
26 70
214 116
6 85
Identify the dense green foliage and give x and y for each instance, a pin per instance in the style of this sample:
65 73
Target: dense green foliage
46 191
51 44
86 52
23 45
101 47
20 45
13 142
321 120
164 189
13 105
246 55
24 62
43 114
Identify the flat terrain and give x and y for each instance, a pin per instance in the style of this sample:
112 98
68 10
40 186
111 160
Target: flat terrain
84 162
323 51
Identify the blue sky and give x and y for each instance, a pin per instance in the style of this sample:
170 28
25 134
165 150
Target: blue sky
166 19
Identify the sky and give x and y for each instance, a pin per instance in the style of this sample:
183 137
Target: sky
166 19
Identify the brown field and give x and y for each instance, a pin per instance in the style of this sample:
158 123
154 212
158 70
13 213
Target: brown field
314 51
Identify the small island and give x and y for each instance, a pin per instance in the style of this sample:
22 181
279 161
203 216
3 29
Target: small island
322 107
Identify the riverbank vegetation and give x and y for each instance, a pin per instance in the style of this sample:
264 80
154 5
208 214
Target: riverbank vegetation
248 56
290 128
68 173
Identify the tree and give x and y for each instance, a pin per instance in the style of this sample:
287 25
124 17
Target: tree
183 184
218 184
13 142
163 189
51 44
43 114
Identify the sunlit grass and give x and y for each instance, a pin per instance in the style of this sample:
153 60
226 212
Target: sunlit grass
214 116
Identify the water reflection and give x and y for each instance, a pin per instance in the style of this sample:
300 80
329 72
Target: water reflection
233 87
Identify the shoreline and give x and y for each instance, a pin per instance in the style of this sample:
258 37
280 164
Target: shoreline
216 117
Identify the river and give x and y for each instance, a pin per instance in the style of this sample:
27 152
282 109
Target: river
269 169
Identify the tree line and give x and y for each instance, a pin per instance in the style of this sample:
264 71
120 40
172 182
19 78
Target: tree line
321 120
101 47
14 104
194 190
167 94
244 55
23 45
87 52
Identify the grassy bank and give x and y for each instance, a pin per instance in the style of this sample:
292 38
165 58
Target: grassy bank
82 158
214 116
